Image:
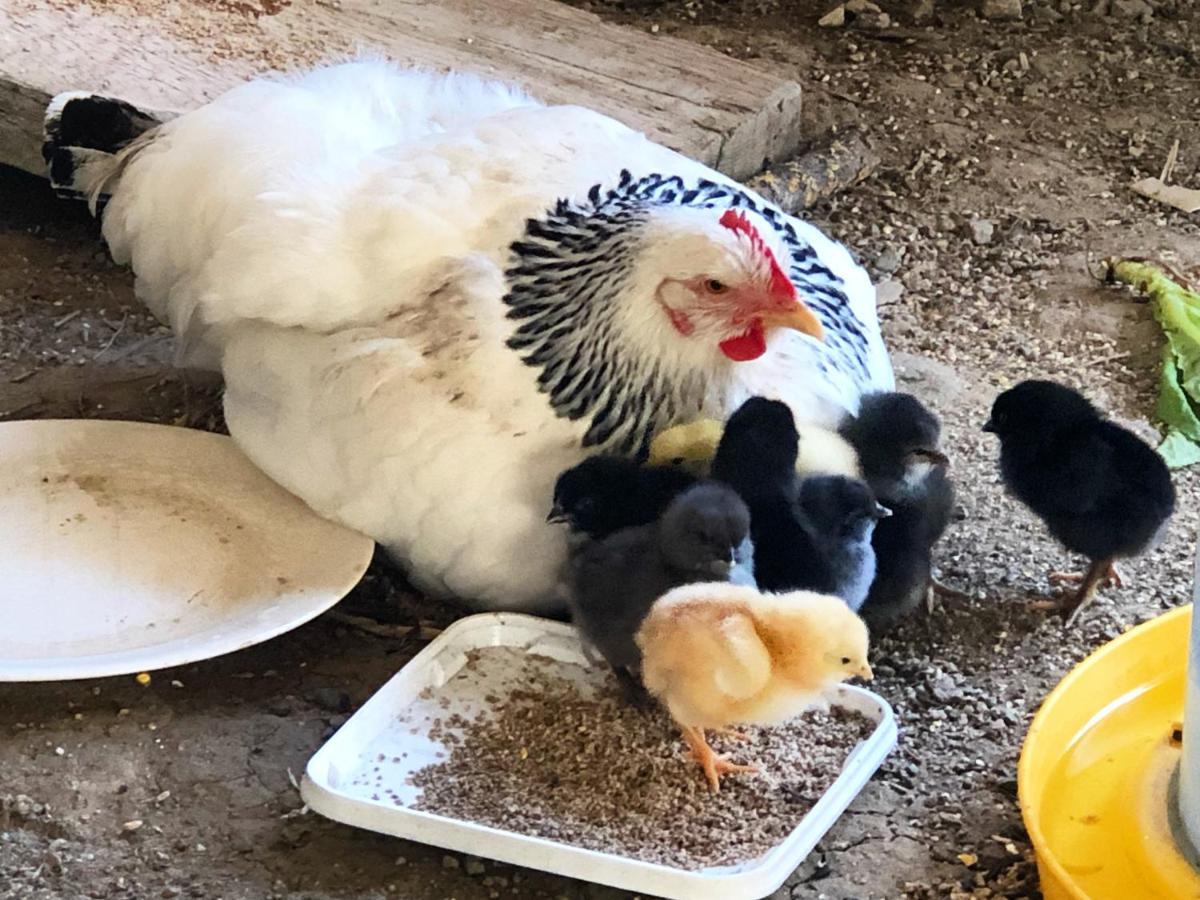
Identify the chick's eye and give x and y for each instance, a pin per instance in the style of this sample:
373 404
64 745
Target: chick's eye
845 660
713 286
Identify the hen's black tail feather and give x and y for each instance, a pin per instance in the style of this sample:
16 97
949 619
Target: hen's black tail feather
83 135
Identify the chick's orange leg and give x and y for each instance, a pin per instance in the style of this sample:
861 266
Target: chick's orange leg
714 766
1101 571
1113 577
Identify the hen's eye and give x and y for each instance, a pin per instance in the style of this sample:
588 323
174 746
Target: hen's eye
713 286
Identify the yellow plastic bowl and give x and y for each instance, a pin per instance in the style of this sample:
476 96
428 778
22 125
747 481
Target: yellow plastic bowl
1095 767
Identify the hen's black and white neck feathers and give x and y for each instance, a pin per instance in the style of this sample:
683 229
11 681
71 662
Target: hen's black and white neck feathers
566 280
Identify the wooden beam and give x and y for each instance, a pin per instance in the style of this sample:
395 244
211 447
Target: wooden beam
173 55
800 183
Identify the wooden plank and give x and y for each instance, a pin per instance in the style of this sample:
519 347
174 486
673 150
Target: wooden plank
174 55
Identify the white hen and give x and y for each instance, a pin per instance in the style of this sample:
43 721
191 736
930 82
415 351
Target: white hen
430 294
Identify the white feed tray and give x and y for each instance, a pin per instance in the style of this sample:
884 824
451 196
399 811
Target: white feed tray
126 547
380 738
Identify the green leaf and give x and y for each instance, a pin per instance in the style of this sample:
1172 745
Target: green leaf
1178 312
1179 451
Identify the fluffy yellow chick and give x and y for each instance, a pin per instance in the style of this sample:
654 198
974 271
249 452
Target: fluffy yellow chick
719 654
825 452
693 446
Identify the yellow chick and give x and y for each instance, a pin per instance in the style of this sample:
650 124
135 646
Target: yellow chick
694 445
719 654
825 452
691 446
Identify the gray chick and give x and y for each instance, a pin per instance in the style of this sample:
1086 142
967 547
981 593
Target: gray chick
840 514
702 536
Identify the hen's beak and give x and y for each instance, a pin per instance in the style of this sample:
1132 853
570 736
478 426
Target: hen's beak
798 318
865 672
557 515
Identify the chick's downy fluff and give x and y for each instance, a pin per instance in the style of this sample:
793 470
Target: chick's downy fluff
704 535
898 443
841 515
692 447
606 493
1101 490
811 534
757 457
717 655
758 449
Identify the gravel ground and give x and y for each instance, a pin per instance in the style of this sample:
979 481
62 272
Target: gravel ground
1008 148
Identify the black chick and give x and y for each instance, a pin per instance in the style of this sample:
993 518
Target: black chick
1101 490
604 494
757 458
841 514
897 441
809 535
703 536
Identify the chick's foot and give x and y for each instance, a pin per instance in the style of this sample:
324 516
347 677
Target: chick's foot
935 589
944 590
732 733
714 765
1101 572
1111 577
1047 604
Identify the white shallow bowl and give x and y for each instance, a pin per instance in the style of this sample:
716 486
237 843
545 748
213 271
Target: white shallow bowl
380 739
126 547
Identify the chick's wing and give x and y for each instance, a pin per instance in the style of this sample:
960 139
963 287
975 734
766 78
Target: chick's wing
1073 477
741 663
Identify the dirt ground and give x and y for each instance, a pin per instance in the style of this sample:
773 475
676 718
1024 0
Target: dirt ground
1008 148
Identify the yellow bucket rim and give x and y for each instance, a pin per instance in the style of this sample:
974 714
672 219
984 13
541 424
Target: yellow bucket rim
1029 814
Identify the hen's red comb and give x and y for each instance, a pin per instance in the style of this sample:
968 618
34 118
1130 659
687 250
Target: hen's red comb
781 286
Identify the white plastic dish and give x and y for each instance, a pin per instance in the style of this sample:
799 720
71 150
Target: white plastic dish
127 547
379 738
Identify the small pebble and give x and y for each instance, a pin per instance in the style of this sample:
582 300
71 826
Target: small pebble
981 231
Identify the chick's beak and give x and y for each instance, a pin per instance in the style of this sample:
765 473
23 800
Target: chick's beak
934 456
557 515
989 427
881 511
798 318
865 672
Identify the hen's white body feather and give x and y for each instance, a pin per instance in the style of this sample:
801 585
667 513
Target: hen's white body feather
336 244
